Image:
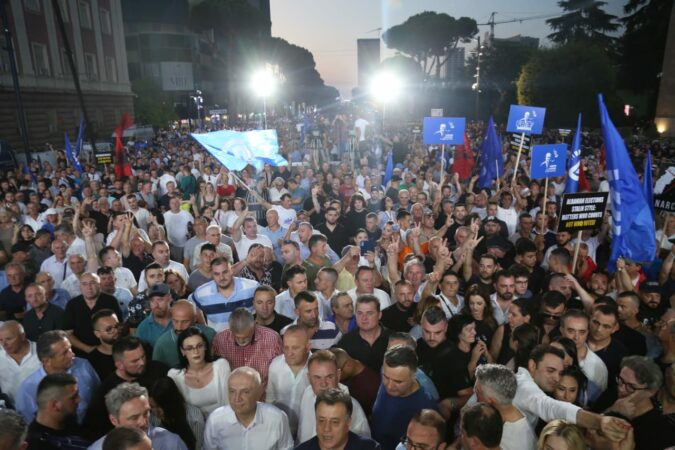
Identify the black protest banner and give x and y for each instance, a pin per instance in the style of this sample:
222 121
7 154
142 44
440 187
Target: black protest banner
515 142
665 202
582 211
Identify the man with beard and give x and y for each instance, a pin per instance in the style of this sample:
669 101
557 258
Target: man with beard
333 230
54 426
107 330
604 323
253 266
159 320
562 239
398 317
651 307
505 288
323 334
487 266
630 328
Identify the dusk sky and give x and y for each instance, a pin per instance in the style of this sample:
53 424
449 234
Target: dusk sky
330 28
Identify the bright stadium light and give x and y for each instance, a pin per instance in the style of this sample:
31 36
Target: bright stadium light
385 87
263 84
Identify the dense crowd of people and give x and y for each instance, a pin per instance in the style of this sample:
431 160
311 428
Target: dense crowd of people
327 304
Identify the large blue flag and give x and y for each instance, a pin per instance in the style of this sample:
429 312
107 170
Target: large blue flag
71 156
235 150
80 135
572 184
632 224
389 169
648 184
491 160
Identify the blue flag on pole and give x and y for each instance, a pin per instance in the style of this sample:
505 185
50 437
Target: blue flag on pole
572 183
389 169
648 184
27 171
235 150
491 160
70 156
632 224
80 135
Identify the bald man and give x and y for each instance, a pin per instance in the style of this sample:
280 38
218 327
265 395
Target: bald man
183 316
18 357
228 426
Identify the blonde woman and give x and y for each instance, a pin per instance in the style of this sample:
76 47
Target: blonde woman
561 435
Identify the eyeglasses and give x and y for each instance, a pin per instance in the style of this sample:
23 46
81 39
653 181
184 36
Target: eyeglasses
190 349
109 329
630 388
409 444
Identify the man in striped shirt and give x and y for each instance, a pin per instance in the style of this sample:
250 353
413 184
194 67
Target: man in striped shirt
322 333
225 293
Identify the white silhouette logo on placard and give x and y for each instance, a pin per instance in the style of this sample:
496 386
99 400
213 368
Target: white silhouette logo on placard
549 162
443 131
525 123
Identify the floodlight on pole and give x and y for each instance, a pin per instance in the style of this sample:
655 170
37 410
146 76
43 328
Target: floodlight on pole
263 84
385 87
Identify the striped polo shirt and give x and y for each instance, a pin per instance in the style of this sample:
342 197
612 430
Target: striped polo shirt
325 337
217 308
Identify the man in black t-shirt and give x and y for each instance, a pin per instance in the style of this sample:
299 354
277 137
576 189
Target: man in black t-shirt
433 350
264 299
399 316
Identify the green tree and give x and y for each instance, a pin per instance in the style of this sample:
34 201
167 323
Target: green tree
642 46
427 38
583 20
566 80
152 106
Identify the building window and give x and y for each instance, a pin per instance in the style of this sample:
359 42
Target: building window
110 69
40 59
4 56
85 15
32 5
65 65
106 27
90 66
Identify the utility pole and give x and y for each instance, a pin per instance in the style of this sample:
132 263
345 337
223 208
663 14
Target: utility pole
15 79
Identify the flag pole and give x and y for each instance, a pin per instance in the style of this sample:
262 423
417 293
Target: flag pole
442 158
543 206
497 172
520 149
576 251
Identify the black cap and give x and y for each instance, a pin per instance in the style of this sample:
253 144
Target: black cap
490 219
158 289
649 287
498 242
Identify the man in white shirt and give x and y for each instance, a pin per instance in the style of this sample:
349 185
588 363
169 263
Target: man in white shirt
287 378
161 255
124 278
364 280
246 423
323 374
77 265
33 218
57 264
287 215
496 385
176 223
574 324
18 357
142 215
540 377
245 234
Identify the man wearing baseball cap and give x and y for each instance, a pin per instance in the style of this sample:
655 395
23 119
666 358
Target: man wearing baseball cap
159 319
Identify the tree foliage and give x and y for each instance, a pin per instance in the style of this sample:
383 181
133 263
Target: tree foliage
566 81
643 44
583 20
427 38
152 105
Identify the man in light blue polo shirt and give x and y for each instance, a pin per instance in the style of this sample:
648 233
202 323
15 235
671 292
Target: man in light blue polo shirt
55 353
159 319
225 293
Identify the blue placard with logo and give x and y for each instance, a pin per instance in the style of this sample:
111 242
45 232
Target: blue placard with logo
525 119
548 161
444 130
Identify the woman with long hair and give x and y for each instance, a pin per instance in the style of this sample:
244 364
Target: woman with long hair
571 386
387 214
561 435
170 411
519 313
356 216
24 233
176 282
477 304
202 381
523 340
207 197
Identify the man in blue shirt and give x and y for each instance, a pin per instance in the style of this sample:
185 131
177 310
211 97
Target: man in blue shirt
400 396
159 319
55 353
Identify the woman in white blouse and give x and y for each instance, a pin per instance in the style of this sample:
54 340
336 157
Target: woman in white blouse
203 382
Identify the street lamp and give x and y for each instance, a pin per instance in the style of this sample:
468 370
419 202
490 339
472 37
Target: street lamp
263 84
476 86
199 102
385 87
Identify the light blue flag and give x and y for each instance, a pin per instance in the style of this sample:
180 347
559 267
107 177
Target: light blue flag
647 183
70 156
80 135
491 160
632 224
235 150
389 169
572 184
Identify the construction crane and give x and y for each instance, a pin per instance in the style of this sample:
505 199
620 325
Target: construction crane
492 21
